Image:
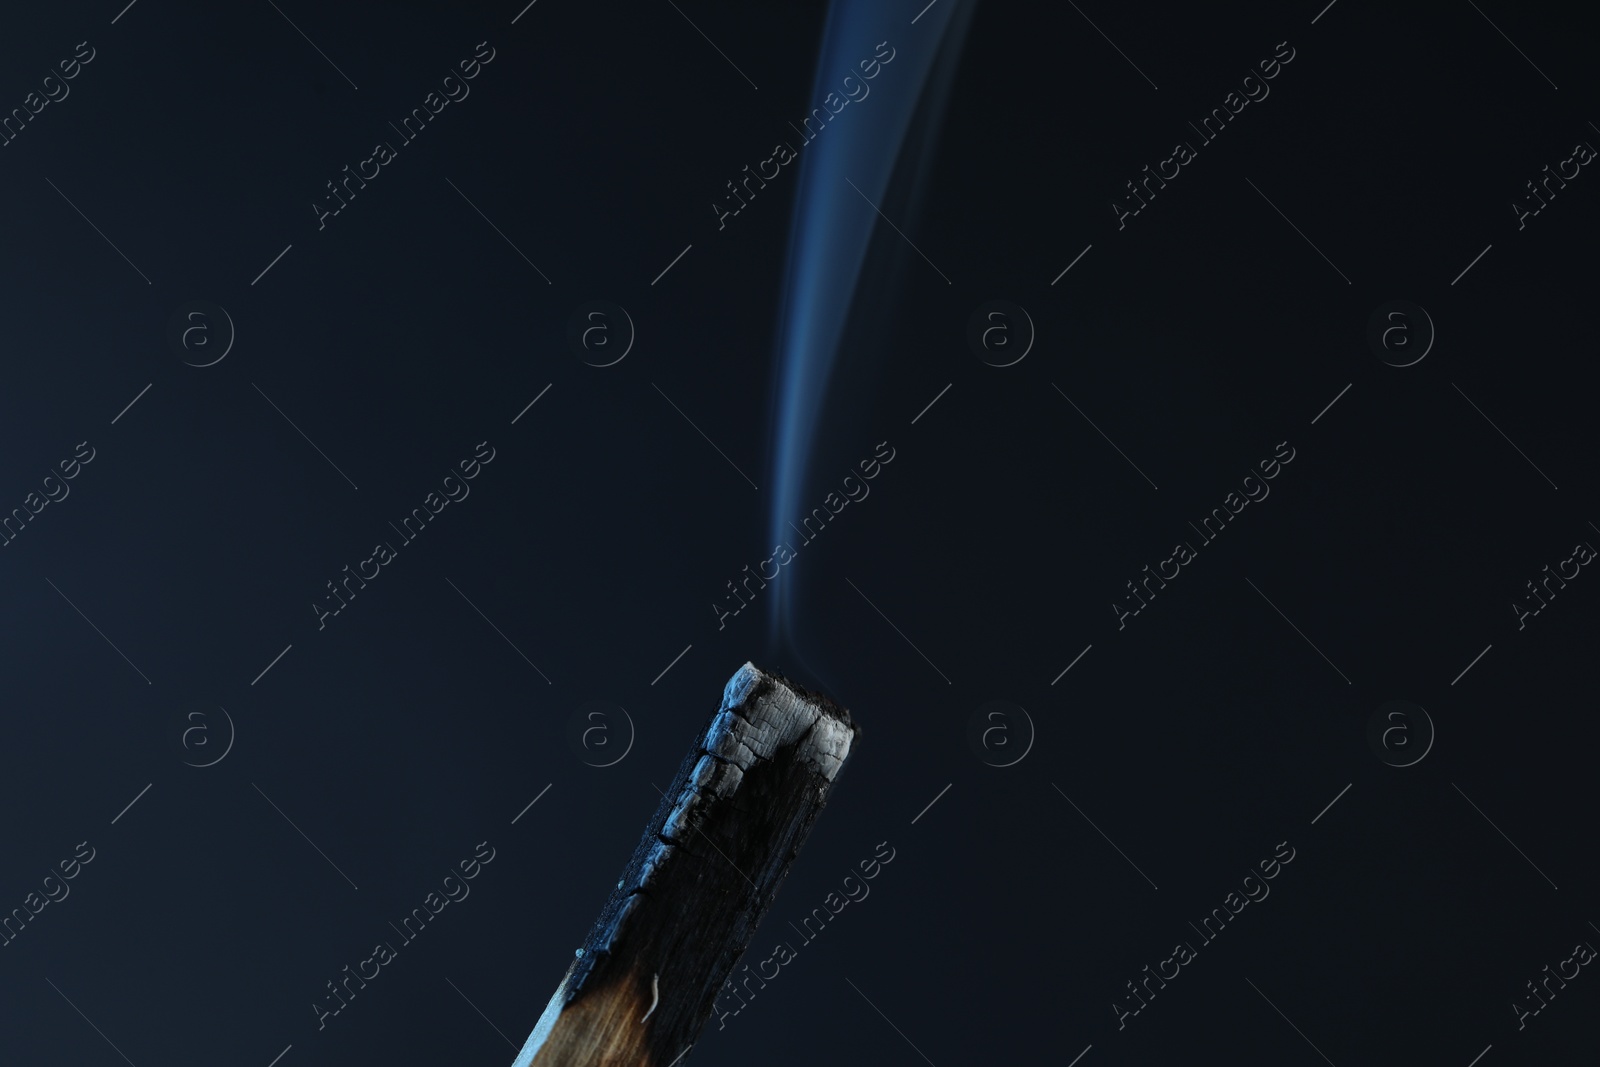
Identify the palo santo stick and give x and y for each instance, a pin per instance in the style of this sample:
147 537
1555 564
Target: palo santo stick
700 880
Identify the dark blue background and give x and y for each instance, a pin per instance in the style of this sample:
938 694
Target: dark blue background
408 331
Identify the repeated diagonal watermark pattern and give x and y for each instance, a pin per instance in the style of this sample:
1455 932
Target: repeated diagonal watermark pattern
1502 833
101 232
1071 665
271 665
674 263
1502 433
1474 263
302 433
1301 232
131 803
897 229
1074 263
713 44
702 433
532 402
1471 665
931 803
1290 1022
1102 833
501 632
1102 433
499 231
713 844
274 263
302 833
932 402
1513 44
313 44
90 1021
671 665
101 632
531 803
1113 44
132 402
1332 402
1331 803
901 632
1301 632
890 1021
479 1010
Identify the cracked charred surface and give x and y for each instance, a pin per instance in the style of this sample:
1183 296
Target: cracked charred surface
699 881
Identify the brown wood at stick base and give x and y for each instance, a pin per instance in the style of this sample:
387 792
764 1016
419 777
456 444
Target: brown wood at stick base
700 880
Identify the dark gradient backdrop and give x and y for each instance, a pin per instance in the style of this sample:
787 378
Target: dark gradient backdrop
161 602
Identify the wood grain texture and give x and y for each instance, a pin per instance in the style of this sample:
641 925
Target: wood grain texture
699 881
